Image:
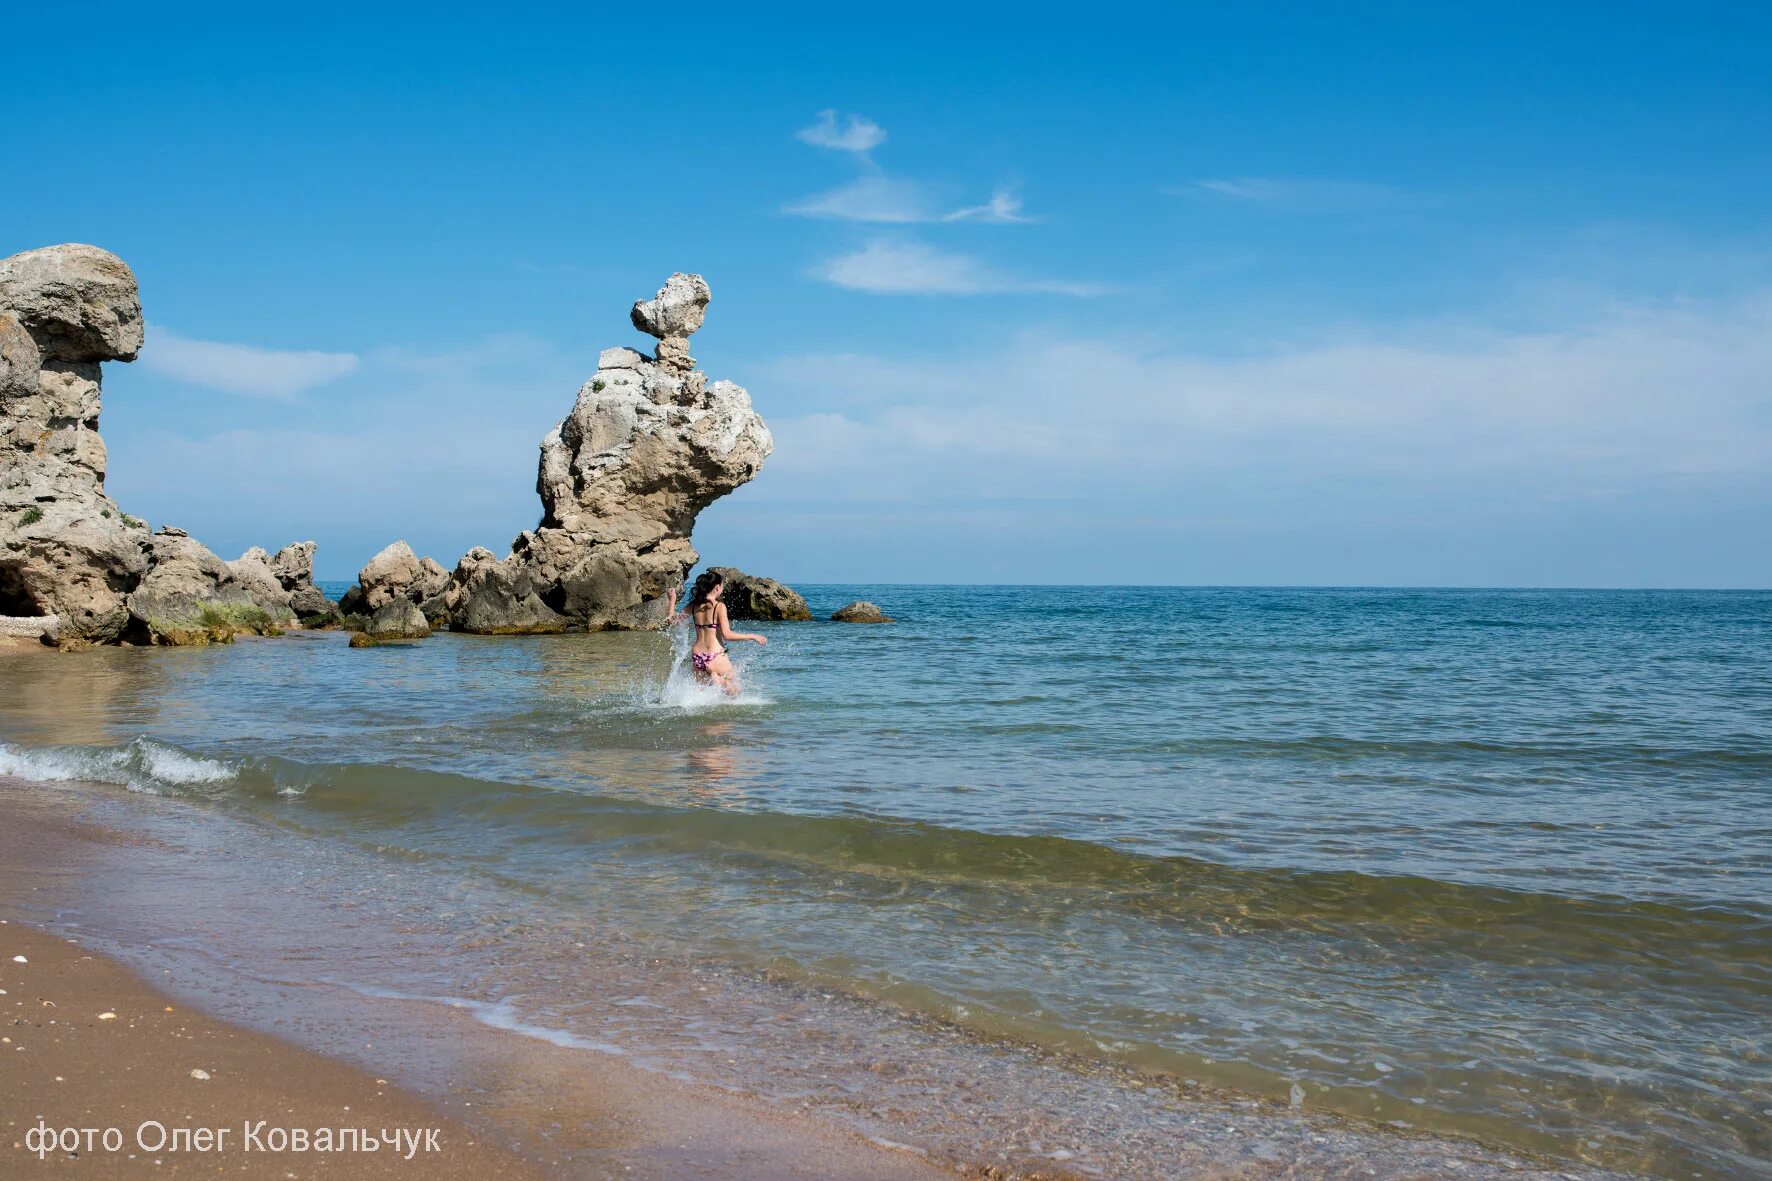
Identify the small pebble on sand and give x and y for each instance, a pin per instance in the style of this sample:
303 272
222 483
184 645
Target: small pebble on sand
19 959
200 1074
107 1016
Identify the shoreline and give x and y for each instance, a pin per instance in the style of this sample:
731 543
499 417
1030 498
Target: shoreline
624 1116
504 1104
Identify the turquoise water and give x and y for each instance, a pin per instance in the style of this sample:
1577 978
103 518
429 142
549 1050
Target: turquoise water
1489 862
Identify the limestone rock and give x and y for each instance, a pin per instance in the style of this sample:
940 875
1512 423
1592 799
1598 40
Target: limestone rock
748 596
79 302
499 599
20 360
67 550
860 611
677 310
398 619
648 445
398 573
293 566
190 596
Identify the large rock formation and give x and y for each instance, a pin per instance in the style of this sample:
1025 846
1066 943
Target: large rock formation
650 442
74 567
68 553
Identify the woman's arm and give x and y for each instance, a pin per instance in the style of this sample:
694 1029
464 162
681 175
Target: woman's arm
727 635
673 615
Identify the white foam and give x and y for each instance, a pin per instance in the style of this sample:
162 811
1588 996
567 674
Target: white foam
497 1014
142 765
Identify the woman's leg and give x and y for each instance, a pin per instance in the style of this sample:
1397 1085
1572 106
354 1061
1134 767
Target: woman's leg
724 674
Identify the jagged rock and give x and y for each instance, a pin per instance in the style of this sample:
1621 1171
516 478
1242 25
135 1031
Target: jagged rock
190 596
860 611
20 360
398 573
252 573
674 315
79 302
498 599
293 566
66 549
398 619
647 446
749 596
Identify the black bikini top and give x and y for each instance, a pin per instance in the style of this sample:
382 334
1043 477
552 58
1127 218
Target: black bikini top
714 626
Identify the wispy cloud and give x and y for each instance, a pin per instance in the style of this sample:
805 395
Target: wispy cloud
1303 194
842 133
242 368
1004 208
890 267
1634 399
882 199
876 198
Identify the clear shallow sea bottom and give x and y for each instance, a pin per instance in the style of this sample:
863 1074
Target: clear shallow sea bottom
1494 863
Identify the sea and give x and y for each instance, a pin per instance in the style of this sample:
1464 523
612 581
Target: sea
1487 863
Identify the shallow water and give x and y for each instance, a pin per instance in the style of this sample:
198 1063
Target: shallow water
1492 862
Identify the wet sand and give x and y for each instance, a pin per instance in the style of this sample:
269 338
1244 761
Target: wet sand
506 1106
88 1045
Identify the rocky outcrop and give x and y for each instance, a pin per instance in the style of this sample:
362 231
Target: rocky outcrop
860 611
74 567
293 568
67 551
648 445
494 598
190 596
396 573
748 596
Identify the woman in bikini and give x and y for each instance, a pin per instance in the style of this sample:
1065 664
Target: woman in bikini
713 631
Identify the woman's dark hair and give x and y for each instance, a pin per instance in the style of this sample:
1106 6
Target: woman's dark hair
704 586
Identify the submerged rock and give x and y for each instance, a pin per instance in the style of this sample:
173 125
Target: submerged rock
860 611
750 596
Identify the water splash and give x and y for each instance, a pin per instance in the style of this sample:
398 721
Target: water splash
681 690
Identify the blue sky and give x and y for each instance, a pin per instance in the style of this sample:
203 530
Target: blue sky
1306 294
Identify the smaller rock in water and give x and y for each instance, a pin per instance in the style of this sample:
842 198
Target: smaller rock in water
861 611
398 620
750 596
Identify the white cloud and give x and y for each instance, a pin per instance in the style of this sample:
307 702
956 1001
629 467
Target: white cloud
912 268
1629 400
1004 208
874 198
242 368
1321 195
848 133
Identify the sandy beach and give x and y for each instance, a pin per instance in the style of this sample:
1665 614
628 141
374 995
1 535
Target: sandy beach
90 1044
